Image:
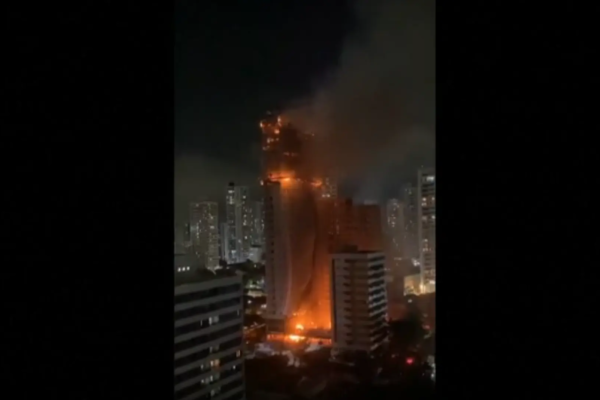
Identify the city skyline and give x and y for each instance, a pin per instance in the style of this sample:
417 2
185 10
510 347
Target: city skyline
349 67
331 159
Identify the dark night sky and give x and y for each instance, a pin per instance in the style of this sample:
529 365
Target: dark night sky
236 59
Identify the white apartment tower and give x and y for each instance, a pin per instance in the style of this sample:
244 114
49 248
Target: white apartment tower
426 228
359 306
240 224
204 230
208 343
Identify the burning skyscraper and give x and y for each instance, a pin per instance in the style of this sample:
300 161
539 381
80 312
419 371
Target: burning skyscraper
304 224
295 238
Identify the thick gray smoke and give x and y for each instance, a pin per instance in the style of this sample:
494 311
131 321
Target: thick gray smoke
376 112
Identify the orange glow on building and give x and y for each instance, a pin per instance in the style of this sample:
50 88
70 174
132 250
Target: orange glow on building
296 339
302 228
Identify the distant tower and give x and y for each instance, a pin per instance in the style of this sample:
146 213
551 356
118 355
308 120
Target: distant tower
426 228
394 216
187 236
258 230
238 211
225 242
395 239
204 228
410 221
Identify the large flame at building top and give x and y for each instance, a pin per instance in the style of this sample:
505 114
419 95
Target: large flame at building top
304 223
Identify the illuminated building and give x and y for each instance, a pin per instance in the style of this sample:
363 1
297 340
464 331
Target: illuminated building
296 258
394 230
394 215
396 253
426 228
410 221
412 284
224 242
329 188
304 224
238 214
359 306
204 229
258 228
208 359
256 254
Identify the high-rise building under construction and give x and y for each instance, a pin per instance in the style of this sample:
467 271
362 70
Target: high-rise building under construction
293 255
304 223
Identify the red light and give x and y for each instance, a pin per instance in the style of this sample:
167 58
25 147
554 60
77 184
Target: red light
410 360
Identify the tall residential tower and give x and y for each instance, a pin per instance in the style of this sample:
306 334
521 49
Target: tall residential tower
410 203
204 230
426 228
238 211
359 305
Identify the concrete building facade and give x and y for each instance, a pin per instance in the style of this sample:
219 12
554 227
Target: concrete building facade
208 335
359 301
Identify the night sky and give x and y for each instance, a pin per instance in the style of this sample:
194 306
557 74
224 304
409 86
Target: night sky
364 71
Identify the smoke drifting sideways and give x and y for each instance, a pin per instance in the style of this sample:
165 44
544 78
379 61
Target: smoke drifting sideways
374 115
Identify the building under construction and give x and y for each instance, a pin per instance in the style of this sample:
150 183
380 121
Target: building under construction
304 224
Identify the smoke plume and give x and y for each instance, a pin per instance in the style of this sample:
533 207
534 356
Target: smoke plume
375 113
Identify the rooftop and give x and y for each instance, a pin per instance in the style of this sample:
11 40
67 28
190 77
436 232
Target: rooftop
197 275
